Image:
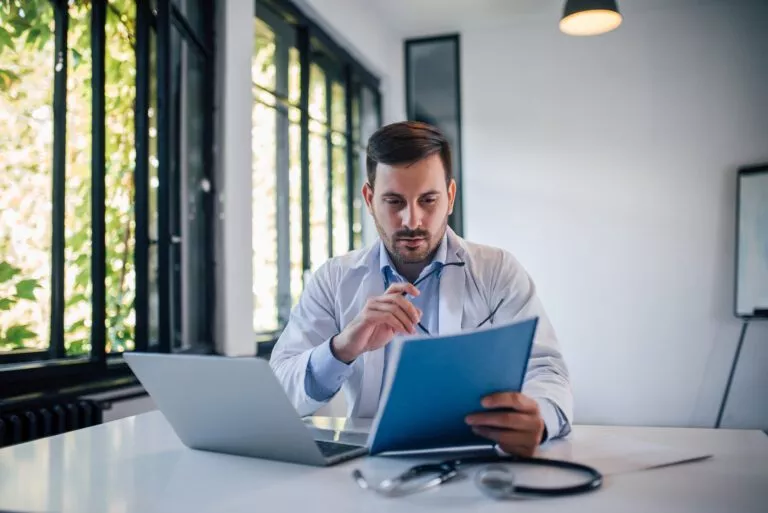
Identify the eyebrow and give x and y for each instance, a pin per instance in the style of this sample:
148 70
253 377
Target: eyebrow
391 194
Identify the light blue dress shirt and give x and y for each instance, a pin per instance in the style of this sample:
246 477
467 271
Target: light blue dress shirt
325 374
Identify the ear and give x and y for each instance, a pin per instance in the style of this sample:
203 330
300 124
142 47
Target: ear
451 195
368 196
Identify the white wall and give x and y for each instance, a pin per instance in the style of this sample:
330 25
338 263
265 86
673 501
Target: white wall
607 165
234 267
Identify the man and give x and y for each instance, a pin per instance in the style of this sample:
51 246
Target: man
355 304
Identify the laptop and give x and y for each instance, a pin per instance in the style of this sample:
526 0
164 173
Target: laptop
232 406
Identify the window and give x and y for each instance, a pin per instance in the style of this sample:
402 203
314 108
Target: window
104 187
433 93
310 98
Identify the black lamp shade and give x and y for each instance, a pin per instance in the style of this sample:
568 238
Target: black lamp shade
574 6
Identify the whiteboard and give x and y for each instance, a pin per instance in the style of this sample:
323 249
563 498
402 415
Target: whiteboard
752 243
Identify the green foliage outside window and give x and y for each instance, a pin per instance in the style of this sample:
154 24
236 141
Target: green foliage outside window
27 69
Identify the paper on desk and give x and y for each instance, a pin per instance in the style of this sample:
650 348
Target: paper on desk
617 454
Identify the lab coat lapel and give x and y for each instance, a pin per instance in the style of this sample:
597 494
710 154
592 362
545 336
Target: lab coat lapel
373 361
453 284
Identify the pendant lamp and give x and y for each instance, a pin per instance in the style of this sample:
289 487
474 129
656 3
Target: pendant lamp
589 17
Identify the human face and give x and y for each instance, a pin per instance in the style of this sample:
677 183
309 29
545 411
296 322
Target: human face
410 205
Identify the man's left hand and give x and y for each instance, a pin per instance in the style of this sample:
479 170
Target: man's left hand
518 429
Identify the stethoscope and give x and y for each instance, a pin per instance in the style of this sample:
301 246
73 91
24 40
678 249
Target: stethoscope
494 480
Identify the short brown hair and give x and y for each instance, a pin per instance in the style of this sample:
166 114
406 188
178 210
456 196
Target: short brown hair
407 142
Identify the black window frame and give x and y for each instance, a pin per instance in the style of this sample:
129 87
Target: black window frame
26 372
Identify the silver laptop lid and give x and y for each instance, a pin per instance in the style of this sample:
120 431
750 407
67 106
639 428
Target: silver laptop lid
228 405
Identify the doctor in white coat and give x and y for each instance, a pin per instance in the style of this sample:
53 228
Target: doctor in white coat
418 277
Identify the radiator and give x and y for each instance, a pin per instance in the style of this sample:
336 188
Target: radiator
45 419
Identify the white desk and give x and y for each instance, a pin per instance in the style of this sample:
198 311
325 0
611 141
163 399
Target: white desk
138 465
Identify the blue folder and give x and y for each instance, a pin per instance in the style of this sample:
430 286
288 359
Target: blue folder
433 383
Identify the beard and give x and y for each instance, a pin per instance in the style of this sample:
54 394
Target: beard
411 246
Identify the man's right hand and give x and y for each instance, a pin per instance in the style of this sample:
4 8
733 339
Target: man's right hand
382 318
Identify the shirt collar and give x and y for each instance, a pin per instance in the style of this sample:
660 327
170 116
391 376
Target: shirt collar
386 266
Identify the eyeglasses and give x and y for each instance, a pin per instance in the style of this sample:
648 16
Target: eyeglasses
438 269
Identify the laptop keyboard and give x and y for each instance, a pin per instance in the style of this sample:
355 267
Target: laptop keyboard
330 449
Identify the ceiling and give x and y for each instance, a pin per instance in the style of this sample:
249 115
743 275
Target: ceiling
424 17
411 18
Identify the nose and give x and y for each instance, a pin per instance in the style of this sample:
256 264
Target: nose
412 216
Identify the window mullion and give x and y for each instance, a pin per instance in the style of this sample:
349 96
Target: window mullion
282 168
163 39
61 17
302 40
141 177
348 91
98 129
329 157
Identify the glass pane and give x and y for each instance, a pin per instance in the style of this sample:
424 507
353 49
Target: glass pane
317 93
264 204
120 94
318 196
338 107
294 145
433 87
154 183
26 174
340 209
194 190
263 65
294 76
77 218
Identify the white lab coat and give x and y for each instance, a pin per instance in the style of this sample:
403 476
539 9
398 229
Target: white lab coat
338 290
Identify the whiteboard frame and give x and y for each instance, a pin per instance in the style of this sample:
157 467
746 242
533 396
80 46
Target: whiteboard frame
742 172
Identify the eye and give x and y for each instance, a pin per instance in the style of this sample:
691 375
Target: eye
392 201
429 200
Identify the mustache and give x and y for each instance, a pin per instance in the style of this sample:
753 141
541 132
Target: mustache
411 234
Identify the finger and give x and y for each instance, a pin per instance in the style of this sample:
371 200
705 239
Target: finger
388 320
404 323
515 400
378 311
505 420
403 288
510 441
408 307
397 309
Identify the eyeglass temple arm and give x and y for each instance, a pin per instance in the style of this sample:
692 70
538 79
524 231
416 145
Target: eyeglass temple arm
493 312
